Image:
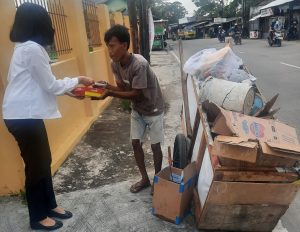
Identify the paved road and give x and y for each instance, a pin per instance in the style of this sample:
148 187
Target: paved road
278 71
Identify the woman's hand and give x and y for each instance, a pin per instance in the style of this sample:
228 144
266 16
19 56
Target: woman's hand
87 81
74 96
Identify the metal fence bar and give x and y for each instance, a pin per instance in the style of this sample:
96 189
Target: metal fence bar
91 22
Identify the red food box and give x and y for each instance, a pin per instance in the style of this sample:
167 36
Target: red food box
87 92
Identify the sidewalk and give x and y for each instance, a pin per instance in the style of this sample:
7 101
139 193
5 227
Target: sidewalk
94 181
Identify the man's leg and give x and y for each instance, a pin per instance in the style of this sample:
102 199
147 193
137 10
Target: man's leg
138 127
157 157
156 126
140 158
140 161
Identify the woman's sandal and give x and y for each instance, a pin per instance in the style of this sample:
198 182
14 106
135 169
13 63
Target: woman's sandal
65 215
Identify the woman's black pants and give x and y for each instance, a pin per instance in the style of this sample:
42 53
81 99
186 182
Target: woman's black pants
32 139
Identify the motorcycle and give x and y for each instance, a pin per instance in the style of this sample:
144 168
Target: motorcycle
174 37
237 37
275 38
292 33
221 37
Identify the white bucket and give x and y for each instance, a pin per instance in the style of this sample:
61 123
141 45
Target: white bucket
238 97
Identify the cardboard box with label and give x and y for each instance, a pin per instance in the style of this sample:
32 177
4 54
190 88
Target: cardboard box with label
171 200
250 141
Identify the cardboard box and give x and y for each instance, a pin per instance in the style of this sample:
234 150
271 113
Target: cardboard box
236 148
171 201
265 130
242 152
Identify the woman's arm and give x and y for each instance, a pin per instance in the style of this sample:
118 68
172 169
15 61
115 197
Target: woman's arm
41 72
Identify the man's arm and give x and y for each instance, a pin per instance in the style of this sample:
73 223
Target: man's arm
113 88
124 94
119 94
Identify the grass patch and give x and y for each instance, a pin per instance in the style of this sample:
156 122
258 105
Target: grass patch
22 195
126 105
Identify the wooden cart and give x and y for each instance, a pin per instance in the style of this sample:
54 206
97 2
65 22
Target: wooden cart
234 197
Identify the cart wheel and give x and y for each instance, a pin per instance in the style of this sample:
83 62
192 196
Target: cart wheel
181 148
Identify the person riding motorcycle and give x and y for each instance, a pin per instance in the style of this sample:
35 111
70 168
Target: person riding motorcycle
275 36
236 34
292 31
221 34
235 30
276 25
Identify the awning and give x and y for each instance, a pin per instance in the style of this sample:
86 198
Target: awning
198 24
276 3
232 19
212 24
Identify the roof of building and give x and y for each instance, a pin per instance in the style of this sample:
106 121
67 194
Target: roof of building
276 3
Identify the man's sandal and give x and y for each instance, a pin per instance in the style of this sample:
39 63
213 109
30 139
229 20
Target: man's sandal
138 186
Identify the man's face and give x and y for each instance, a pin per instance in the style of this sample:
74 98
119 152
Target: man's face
116 49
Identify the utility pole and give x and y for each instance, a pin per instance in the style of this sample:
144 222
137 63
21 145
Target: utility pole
133 25
222 11
144 29
291 16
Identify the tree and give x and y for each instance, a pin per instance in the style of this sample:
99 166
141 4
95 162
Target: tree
172 11
233 9
224 8
213 8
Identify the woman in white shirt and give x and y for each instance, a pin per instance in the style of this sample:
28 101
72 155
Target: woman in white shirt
29 98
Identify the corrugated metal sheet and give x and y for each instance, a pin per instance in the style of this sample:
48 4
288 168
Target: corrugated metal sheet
276 3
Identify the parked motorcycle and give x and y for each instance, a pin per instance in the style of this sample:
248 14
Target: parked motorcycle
275 38
237 37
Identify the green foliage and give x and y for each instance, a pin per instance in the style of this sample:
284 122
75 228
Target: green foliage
208 8
53 55
126 105
223 8
233 9
22 195
172 11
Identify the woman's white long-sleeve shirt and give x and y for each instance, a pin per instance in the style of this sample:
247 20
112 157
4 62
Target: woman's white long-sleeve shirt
32 88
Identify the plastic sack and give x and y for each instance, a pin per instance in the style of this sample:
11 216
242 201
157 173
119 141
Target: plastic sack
222 63
193 65
212 62
239 75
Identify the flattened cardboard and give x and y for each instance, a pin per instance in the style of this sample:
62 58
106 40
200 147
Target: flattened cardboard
171 200
236 148
265 130
255 176
281 150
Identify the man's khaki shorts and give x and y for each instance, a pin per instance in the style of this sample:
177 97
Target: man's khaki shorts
142 125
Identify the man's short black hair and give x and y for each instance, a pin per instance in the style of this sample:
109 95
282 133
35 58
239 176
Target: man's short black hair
120 32
32 22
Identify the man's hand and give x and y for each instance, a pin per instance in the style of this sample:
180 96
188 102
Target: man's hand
87 81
